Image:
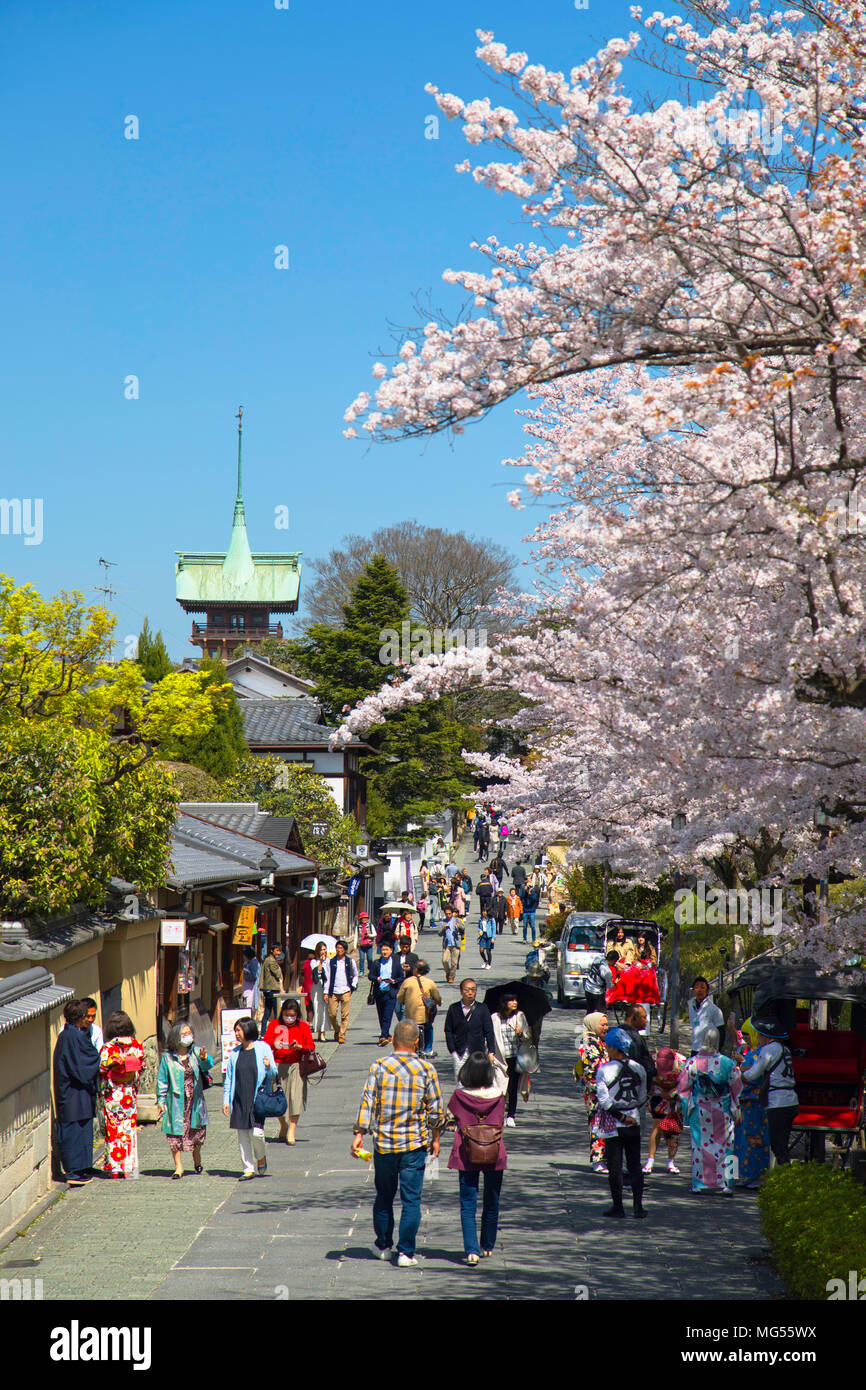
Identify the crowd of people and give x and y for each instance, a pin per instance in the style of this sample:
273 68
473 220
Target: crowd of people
738 1108
738 1104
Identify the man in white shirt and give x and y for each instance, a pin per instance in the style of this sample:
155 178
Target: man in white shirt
703 1013
92 1026
340 984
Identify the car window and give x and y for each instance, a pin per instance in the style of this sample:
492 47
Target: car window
590 938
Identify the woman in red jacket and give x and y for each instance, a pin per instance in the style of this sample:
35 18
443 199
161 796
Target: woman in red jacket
288 1036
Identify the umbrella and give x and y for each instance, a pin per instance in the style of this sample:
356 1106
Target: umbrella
401 907
310 943
533 1002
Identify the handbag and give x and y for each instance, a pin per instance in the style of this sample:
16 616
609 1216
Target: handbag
605 1124
430 1008
527 1058
311 1062
371 996
269 1105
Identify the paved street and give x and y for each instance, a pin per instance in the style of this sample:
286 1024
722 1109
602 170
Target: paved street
305 1231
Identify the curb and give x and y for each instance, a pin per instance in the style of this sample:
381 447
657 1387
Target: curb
22 1225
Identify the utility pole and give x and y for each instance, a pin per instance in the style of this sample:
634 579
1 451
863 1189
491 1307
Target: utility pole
677 823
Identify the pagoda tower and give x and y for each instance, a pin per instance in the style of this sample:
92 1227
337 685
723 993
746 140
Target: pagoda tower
237 590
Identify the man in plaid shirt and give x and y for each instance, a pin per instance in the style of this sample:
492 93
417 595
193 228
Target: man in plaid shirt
402 1108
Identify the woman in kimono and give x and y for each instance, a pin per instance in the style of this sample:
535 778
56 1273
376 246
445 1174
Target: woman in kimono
665 1106
180 1092
710 1086
120 1062
593 1054
314 973
752 1135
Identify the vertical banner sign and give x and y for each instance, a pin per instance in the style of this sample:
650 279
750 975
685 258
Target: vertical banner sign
228 1019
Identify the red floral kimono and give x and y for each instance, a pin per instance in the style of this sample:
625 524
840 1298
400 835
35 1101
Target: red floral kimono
120 1064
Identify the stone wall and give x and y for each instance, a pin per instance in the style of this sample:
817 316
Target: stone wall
25 1121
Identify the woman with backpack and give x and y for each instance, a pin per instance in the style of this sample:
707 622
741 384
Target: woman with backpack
621 1089
478 1108
710 1086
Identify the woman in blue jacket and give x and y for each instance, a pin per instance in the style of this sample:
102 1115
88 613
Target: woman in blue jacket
246 1069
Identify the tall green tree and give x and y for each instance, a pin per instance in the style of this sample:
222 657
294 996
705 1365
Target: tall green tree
151 654
219 748
414 769
81 795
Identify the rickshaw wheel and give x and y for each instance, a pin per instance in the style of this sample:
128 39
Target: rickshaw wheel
816 1146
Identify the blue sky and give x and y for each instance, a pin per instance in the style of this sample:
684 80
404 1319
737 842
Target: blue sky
154 257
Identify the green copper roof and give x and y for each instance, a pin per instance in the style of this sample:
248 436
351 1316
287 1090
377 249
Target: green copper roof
238 575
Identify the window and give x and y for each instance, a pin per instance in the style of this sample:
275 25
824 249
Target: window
587 938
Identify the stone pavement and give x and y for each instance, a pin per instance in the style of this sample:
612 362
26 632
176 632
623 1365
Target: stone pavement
305 1230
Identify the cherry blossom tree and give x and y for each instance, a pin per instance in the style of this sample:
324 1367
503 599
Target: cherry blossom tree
689 329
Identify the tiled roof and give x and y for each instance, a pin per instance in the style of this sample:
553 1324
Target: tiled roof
277 719
245 817
37 939
29 994
206 852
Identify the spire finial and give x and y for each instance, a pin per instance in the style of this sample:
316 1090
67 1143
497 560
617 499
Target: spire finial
240 419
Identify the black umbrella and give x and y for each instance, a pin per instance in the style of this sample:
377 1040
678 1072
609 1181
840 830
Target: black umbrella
533 1002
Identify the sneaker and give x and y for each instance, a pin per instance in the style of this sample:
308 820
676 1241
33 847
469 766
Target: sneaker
639 1213
600 1168
648 1166
510 1122
614 1211
246 1174
382 1254
472 1259
672 1167
78 1181
404 1261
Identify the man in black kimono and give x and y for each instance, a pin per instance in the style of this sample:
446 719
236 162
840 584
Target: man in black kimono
76 1067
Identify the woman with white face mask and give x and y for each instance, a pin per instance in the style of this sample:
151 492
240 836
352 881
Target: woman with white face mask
180 1092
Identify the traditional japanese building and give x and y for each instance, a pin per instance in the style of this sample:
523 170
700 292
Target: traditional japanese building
237 591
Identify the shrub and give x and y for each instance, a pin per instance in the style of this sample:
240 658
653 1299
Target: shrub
815 1222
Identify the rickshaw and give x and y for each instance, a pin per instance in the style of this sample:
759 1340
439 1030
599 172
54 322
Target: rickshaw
638 984
829 1062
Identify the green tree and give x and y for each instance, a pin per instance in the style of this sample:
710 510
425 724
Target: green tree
152 655
415 769
285 789
81 796
345 662
218 748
